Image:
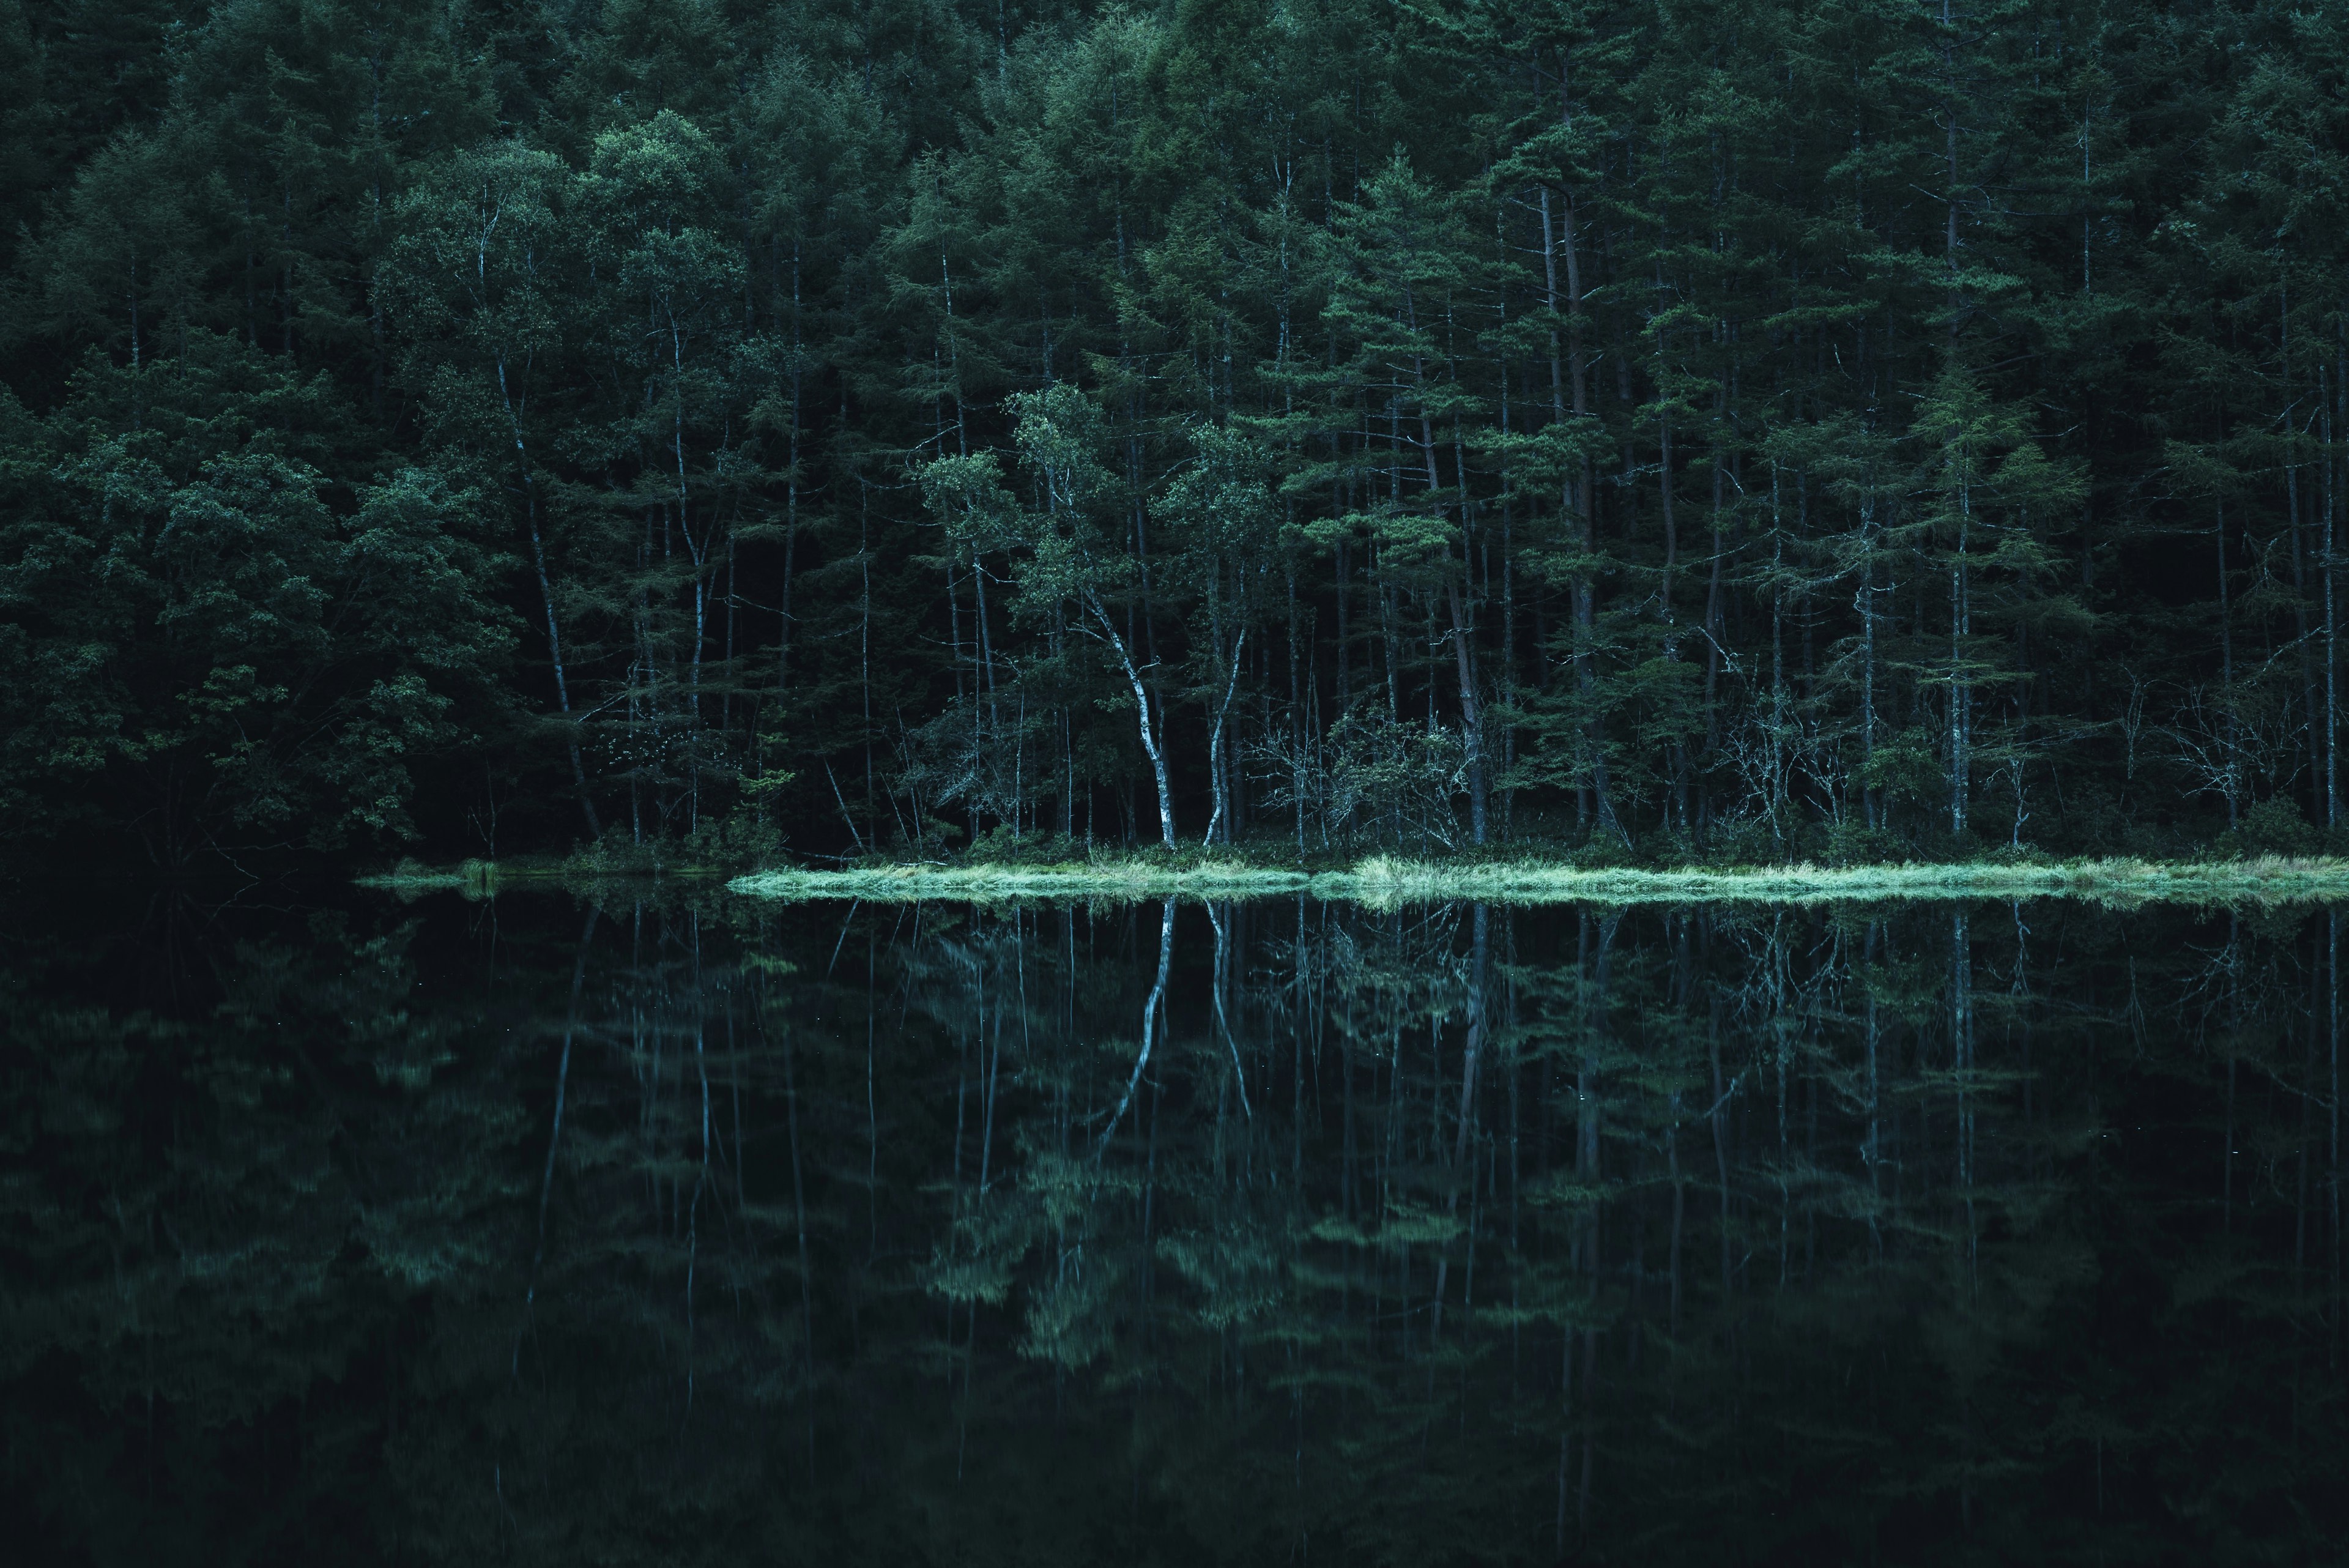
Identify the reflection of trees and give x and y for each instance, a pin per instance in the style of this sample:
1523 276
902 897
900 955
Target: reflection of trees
1436 1233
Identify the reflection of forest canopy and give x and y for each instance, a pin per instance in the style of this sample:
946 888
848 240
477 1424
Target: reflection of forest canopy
1786 428
1436 1235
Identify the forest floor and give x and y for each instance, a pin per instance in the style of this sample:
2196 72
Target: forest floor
1388 879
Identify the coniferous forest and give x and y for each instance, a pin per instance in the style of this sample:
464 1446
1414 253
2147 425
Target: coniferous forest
1854 429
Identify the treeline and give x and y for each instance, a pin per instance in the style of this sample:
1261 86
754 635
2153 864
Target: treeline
842 426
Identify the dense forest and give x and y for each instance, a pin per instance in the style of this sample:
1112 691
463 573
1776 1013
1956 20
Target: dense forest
1854 428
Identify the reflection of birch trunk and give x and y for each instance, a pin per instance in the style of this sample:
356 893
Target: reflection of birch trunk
701 1177
1222 1024
1872 1151
1583 1250
1719 1118
990 1046
1471 1059
1962 1028
1564 1440
2232 964
1149 1019
1776 950
2333 978
1680 1209
799 1192
562 1086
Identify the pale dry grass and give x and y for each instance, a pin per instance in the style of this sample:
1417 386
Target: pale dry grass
1116 880
1384 879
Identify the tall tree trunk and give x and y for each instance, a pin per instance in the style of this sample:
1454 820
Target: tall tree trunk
1579 496
1961 689
1472 725
546 599
2332 619
1216 747
1150 743
2226 661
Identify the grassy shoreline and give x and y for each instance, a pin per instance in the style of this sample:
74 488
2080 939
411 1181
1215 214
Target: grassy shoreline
1383 879
1387 880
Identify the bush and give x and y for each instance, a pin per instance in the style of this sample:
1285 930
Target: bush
2270 827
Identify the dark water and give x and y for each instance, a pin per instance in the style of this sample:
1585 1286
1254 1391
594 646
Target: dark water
693 1230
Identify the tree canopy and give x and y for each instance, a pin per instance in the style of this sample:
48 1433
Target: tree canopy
1849 430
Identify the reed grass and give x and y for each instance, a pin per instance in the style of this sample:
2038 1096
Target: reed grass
1387 880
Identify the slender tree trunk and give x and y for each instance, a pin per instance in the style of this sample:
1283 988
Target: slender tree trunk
1142 714
1471 723
546 599
1296 721
1867 618
2332 619
1961 689
791 494
1665 487
1215 744
2226 661
1580 497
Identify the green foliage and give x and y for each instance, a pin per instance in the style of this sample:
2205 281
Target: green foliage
209 646
1723 431
2269 827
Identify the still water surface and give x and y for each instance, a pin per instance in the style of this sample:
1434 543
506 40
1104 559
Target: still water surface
687 1230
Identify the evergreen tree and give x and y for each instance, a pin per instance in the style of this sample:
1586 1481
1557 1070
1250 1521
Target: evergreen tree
1562 422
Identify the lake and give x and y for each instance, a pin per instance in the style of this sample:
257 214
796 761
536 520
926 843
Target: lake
668 1226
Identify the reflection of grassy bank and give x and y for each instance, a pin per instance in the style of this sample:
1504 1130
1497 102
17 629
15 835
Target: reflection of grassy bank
486 878
473 879
1381 879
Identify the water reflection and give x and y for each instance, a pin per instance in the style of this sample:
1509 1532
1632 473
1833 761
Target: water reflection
1258 1232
